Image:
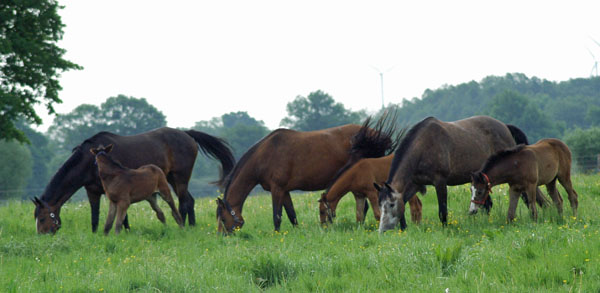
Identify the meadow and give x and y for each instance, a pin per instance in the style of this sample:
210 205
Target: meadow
477 253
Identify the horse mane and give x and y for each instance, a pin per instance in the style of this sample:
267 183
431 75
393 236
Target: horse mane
244 159
77 154
73 160
495 158
372 142
405 144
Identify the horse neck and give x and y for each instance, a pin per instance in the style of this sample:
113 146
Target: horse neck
499 172
238 190
107 167
340 187
65 183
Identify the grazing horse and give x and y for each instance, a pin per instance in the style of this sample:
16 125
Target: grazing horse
172 150
440 153
124 186
525 167
288 160
359 180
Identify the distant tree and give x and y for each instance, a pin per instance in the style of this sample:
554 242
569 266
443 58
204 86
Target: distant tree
513 108
121 115
318 111
30 62
15 168
240 130
41 155
128 115
592 115
585 146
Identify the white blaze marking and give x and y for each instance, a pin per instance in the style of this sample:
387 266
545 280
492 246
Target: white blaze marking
473 206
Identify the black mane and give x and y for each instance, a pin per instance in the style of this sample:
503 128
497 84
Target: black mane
71 162
405 144
495 158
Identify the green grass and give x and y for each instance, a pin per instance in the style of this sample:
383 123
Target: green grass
473 254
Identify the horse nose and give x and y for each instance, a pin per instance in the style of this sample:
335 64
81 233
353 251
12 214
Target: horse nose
472 212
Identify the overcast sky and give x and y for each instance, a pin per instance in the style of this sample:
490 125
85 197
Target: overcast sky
195 60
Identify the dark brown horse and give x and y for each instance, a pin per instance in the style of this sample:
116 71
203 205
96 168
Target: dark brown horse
124 186
440 153
172 150
359 180
288 160
525 167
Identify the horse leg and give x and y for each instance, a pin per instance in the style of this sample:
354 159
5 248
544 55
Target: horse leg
186 201
121 214
277 199
415 209
94 199
360 208
540 198
555 195
512 204
159 213
565 181
110 218
442 195
372 196
531 193
165 193
289 208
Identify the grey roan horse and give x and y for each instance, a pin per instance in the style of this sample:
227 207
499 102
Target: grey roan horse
440 153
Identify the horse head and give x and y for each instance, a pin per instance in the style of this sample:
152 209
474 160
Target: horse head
326 212
101 149
481 188
227 219
47 217
391 204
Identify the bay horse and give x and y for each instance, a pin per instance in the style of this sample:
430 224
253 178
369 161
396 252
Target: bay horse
525 167
359 180
124 186
173 151
288 160
440 153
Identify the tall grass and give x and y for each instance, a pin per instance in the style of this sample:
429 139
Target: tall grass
472 254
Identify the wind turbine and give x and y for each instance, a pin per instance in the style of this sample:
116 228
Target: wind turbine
595 67
381 77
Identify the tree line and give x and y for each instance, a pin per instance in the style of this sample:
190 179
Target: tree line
31 63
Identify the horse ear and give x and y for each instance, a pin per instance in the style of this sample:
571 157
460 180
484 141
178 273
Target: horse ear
34 200
388 186
377 186
108 148
219 201
93 151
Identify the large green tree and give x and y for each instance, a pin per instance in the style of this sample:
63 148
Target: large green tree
122 115
318 111
30 62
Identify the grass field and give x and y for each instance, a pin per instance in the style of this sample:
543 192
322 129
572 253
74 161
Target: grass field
472 254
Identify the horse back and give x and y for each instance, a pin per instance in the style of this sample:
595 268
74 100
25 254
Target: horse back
302 160
551 156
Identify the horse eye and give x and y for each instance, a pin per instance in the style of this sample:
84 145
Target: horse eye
391 205
42 220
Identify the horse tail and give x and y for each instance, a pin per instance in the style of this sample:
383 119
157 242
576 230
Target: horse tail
216 148
518 134
373 141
